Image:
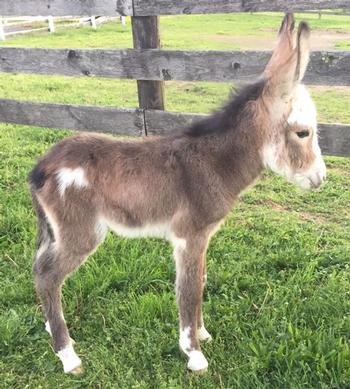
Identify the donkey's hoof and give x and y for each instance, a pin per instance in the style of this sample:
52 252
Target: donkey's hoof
197 362
77 371
69 359
204 335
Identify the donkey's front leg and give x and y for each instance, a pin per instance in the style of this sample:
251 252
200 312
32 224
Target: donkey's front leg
203 334
189 289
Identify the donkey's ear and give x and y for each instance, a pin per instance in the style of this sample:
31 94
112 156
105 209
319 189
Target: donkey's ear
282 64
303 48
288 62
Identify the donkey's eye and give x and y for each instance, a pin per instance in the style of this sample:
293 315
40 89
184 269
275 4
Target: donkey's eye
303 134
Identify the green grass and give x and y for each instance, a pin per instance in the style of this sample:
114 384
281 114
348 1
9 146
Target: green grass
277 301
179 32
182 32
332 102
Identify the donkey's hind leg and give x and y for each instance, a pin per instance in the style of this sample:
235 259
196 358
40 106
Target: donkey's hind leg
59 254
203 334
49 276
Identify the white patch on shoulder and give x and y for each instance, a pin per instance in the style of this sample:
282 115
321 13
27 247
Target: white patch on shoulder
303 109
67 177
69 359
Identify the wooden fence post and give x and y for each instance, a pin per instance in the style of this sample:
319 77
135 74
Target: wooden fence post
2 32
93 22
51 24
145 31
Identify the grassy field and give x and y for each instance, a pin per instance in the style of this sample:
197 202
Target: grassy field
278 295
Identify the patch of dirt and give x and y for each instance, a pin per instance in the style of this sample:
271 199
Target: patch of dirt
322 88
276 206
320 40
302 215
340 171
312 217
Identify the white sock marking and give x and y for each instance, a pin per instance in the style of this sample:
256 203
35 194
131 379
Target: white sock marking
69 359
185 340
48 328
203 334
197 360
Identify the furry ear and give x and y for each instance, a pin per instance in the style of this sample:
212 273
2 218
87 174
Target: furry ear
284 56
288 62
303 47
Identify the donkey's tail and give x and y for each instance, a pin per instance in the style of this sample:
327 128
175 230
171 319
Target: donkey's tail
45 235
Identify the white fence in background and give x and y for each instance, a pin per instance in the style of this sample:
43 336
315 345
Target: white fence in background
25 25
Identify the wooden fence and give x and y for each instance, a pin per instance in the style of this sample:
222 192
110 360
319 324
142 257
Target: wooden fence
151 66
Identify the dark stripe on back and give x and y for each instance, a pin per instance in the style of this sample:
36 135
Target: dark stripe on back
227 118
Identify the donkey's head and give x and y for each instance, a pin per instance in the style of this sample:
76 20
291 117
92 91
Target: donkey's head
291 148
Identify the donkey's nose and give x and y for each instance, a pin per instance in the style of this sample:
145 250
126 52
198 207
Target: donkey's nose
321 177
317 181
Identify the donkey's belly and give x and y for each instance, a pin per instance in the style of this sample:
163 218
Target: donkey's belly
157 230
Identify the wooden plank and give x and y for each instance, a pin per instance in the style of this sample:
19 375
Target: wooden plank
325 13
169 7
158 7
63 7
145 32
325 68
73 117
165 122
292 5
334 138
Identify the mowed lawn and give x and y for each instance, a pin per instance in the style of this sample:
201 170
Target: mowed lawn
278 296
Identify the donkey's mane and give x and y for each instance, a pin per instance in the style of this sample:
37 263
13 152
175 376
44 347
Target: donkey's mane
228 116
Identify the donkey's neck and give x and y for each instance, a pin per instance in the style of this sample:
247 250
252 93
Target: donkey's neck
240 158
233 138
234 156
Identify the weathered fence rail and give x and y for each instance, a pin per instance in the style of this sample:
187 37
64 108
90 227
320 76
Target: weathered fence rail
73 117
334 138
151 66
325 68
158 7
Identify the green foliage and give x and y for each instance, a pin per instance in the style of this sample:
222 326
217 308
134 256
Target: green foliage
277 301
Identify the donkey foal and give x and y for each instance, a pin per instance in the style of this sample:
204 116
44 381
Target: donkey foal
179 187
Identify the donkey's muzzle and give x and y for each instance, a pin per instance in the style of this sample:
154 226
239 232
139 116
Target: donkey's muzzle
317 180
